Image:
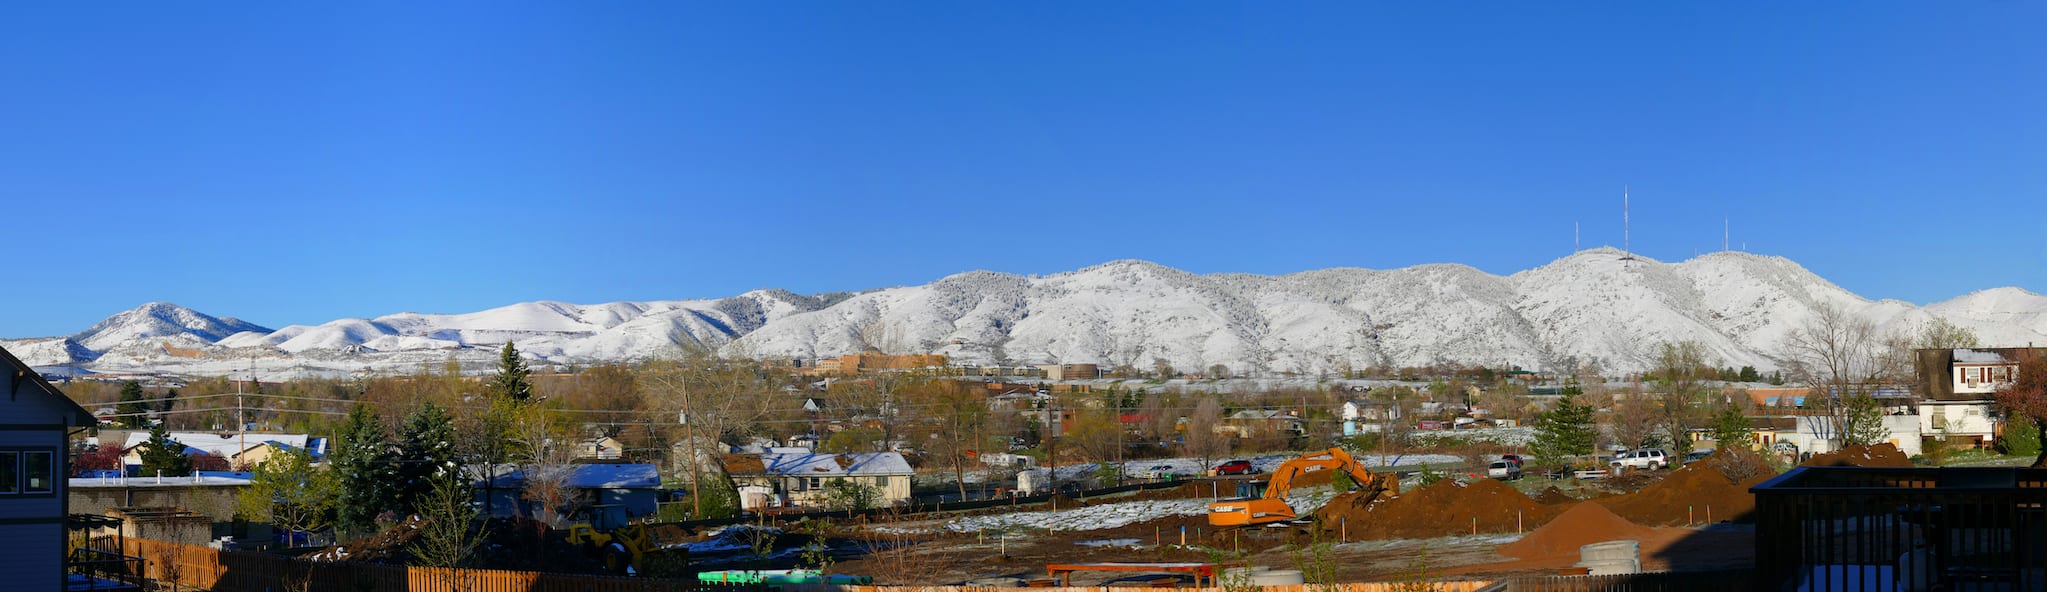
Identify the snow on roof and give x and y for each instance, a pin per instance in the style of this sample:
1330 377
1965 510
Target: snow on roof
156 482
607 476
809 464
1977 356
221 445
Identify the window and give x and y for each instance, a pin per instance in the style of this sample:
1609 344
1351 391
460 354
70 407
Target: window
38 471
10 472
813 483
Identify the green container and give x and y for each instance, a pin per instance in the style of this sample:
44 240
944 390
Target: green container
779 577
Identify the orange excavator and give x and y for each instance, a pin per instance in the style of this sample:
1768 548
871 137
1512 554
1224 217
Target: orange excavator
1272 506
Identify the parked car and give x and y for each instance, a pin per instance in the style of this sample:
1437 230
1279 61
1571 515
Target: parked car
1503 470
1150 472
1697 455
1646 458
1234 467
1513 458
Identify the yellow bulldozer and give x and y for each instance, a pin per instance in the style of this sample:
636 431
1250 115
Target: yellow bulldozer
625 549
1272 507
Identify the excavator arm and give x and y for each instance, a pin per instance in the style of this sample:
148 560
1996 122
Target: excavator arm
1272 506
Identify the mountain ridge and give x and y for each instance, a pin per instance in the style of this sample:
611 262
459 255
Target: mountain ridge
1598 306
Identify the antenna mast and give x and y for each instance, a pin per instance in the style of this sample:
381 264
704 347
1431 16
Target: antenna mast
1625 248
1725 224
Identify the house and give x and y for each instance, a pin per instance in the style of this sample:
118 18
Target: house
1071 371
1814 432
788 477
1364 415
604 448
1958 388
634 488
1792 397
34 496
240 451
1261 422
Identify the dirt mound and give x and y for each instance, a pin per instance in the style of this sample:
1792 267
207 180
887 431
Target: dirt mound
1715 489
1447 507
1881 455
1188 490
1552 496
1581 525
384 546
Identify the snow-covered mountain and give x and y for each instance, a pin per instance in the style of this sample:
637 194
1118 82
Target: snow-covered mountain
1597 306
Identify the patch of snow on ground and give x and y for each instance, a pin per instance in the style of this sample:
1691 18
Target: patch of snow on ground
1112 515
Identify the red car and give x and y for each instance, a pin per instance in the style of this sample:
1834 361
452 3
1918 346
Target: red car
1235 467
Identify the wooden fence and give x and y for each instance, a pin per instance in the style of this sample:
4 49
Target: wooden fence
189 567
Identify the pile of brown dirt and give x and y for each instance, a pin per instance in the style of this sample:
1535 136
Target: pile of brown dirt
1445 508
1553 496
1581 525
387 545
1881 455
1705 491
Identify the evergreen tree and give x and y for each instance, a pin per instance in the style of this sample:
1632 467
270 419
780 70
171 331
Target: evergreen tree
162 456
1748 374
134 413
426 452
512 379
170 399
1564 431
1730 428
366 477
1865 425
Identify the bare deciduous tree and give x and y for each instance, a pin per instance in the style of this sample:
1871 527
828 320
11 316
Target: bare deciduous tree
1200 439
1839 357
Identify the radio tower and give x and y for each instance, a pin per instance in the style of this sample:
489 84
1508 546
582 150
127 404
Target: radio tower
1627 251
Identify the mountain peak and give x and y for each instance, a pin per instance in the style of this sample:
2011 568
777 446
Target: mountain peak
159 320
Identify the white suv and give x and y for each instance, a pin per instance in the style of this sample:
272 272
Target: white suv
1647 458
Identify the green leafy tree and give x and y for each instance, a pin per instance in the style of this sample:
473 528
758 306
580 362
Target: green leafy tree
134 413
2021 438
2025 399
1680 374
366 476
290 493
1730 428
426 451
449 533
162 456
513 381
1564 431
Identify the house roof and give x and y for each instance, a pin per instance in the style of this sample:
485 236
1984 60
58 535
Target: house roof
1262 414
20 376
594 476
810 464
1979 356
222 445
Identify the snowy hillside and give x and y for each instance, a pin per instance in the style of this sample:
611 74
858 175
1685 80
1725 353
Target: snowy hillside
1595 306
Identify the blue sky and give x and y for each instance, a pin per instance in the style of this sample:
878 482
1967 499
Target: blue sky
296 164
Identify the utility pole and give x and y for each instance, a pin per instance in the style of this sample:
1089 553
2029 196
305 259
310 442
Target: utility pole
696 486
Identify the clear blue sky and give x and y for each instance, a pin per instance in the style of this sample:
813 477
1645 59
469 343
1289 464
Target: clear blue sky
297 164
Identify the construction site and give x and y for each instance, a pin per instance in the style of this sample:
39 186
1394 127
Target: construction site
1319 518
